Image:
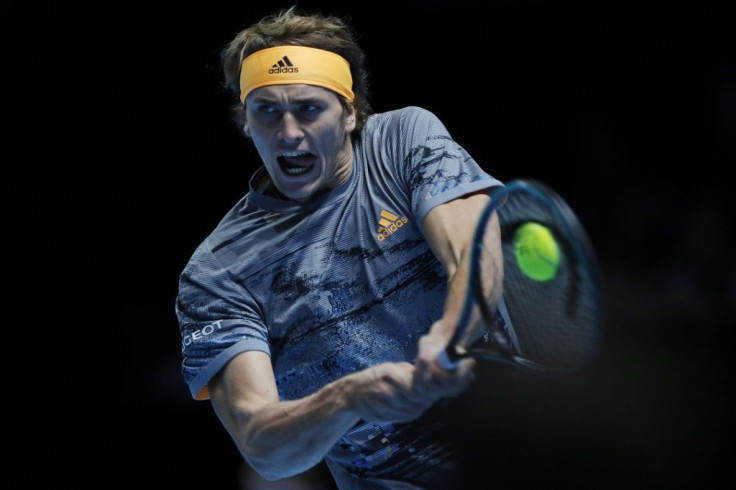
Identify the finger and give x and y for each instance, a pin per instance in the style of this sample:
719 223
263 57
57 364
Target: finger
429 348
464 376
439 383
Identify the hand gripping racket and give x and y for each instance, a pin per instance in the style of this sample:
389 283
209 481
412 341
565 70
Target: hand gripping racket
549 318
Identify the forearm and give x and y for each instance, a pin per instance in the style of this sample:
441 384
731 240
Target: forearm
450 232
473 322
283 438
457 285
280 439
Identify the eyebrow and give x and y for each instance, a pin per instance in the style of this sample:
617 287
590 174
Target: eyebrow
265 99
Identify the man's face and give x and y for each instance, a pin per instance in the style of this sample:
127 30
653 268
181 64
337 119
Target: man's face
302 135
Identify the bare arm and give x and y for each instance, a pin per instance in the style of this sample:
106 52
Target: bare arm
283 438
265 430
449 230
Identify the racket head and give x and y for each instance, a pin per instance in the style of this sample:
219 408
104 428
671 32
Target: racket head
551 326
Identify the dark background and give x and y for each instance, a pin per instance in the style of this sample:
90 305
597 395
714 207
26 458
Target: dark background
119 157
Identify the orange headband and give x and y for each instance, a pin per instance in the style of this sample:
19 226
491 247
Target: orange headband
296 64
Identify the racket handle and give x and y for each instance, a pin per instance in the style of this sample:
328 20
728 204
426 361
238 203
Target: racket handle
445 362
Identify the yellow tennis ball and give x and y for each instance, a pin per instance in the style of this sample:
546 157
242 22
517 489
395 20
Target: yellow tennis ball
537 252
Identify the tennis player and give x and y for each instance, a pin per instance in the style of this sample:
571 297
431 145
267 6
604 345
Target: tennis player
313 314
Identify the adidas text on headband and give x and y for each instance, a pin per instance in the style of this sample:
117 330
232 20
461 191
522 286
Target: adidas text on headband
296 64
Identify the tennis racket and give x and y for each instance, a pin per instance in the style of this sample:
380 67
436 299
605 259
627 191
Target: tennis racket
548 319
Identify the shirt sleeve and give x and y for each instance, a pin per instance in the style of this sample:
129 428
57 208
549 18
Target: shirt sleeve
218 319
436 168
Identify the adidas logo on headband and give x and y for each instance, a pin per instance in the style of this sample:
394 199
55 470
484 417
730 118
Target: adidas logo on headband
313 67
284 65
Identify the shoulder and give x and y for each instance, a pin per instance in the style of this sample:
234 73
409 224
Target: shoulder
411 122
404 115
233 225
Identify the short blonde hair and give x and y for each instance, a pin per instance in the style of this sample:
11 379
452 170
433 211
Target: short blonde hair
285 28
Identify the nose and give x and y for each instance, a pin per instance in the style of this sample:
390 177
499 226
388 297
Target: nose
290 131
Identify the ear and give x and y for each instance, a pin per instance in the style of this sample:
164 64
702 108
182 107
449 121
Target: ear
350 120
246 130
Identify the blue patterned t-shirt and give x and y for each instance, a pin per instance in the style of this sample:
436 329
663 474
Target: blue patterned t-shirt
335 285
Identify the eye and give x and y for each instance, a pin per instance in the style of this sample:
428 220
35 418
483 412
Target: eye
307 108
309 111
266 108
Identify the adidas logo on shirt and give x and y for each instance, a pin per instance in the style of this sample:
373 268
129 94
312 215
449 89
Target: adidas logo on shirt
388 224
284 65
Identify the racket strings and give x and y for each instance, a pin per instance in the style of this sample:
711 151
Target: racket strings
555 321
546 325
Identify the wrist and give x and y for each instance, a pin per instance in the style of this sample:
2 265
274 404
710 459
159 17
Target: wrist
339 395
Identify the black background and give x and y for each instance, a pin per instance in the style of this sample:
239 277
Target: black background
119 157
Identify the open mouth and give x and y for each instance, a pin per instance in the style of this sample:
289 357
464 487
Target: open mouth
296 162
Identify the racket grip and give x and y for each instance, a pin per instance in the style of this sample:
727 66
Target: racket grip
446 362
